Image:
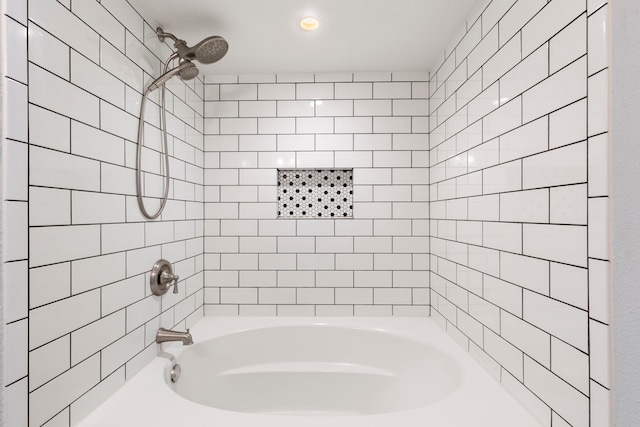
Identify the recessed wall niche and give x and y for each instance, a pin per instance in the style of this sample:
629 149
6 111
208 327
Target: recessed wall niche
315 193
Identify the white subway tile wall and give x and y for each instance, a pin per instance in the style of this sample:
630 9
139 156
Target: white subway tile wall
480 196
77 253
520 200
257 263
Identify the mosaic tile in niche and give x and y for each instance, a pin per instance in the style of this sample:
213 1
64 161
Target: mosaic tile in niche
315 193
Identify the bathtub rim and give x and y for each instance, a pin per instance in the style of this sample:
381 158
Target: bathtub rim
146 399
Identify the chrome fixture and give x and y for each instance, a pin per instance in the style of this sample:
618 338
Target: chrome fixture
208 51
176 370
166 335
162 278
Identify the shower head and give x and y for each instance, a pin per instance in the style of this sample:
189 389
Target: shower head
186 71
208 51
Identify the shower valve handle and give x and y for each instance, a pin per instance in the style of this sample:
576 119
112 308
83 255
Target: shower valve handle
167 279
162 278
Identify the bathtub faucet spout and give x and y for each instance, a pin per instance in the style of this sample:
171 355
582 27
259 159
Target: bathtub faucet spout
165 335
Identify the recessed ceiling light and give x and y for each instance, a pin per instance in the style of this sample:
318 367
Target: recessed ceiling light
309 23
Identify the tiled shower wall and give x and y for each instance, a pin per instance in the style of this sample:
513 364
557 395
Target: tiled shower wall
519 202
79 319
373 264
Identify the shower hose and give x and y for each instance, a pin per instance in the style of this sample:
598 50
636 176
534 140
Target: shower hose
165 153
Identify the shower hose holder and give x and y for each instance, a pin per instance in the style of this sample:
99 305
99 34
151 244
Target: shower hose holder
162 278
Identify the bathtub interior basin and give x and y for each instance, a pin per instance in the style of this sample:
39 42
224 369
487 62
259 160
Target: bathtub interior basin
313 369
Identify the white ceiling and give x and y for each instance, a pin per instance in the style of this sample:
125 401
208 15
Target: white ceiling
354 35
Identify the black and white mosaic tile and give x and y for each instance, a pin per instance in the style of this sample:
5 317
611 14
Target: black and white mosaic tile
315 193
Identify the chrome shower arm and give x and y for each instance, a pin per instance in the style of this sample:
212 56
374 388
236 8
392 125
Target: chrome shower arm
162 34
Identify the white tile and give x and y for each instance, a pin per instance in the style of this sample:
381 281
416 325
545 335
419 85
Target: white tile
568 125
484 103
568 45
296 279
258 279
353 91
483 51
296 108
567 165
598 101
92 338
257 109
277 261
393 90
507 57
315 261
54 320
377 107
353 124
354 261
91 273
16 356
240 126
503 294
502 178
563 243
48 129
296 142
529 139
526 337
505 353
485 208
548 22
353 159
47 401
503 236
543 312
92 208
121 351
67 27
570 364
119 237
96 80
238 92
316 159
502 120
569 204
566 401
315 296
221 109
276 91
15 65
125 13
517 17
374 76
560 89
530 273
600 290
314 125
54 244
314 91
17 124
115 62
353 296
601 404
334 279
334 108
123 293
598 167
599 228
49 361
525 206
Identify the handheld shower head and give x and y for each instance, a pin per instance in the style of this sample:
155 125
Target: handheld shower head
186 71
208 51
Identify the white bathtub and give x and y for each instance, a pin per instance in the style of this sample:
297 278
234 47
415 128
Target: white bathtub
293 372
